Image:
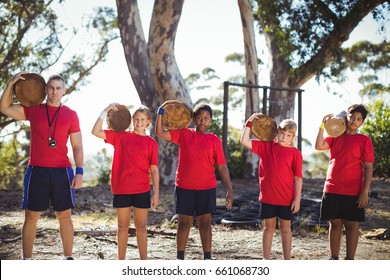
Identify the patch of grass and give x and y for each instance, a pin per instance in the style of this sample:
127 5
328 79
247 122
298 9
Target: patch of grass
317 229
168 225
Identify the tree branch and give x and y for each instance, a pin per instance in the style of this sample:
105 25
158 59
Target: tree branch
333 42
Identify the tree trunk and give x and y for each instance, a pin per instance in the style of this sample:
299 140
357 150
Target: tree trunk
152 65
166 76
281 103
252 97
135 48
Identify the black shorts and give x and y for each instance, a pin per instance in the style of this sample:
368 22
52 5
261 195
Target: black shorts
139 200
195 202
268 211
45 186
337 206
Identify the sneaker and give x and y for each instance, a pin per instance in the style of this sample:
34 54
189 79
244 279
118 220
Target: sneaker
69 258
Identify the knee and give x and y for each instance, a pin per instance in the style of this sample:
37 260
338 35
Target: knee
184 223
269 225
285 229
204 224
32 217
64 216
123 225
140 225
336 224
351 226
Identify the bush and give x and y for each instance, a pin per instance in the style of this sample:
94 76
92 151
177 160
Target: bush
11 170
376 126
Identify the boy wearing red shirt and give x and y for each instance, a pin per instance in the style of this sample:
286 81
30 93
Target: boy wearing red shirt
348 180
200 152
280 181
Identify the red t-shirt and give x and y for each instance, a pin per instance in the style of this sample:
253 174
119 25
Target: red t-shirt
198 155
278 167
347 154
133 156
65 123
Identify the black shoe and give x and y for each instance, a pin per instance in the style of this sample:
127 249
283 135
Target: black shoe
69 258
334 258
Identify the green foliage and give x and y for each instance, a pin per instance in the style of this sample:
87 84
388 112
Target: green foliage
318 165
29 35
235 152
376 126
103 163
196 81
235 57
11 171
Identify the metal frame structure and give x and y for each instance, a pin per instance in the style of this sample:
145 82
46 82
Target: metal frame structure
226 85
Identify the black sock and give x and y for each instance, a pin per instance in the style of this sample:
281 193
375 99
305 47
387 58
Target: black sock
180 255
207 255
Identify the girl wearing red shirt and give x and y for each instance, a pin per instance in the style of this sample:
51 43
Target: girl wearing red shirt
135 162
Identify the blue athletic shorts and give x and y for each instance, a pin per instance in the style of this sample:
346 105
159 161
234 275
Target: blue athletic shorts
337 206
268 211
139 200
195 202
45 186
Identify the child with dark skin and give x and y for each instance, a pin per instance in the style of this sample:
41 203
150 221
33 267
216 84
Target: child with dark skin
200 153
348 180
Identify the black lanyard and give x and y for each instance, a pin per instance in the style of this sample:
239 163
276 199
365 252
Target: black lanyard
50 122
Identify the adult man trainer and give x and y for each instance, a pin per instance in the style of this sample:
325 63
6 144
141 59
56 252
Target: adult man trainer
49 179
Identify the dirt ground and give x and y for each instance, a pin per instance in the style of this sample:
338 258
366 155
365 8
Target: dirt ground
236 236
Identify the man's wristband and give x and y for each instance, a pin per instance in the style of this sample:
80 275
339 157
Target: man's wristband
322 126
103 115
79 170
248 124
160 111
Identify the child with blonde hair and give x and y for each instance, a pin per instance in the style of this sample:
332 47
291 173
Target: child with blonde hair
135 162
280 182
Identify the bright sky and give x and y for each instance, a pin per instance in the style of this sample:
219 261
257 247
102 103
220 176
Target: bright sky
208 31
